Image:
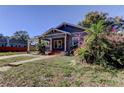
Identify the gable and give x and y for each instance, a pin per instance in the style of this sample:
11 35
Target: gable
53 31
70 28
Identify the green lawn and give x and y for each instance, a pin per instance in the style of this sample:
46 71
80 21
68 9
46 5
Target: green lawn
60 72
14 59
10 53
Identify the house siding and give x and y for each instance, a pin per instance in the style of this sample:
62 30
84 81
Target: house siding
69 30
68 42
80 36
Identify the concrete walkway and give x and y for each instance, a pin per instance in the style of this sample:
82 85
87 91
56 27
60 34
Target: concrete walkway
30 60
18 55
10 65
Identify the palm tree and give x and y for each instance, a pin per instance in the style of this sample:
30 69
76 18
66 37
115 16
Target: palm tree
95 46
95 32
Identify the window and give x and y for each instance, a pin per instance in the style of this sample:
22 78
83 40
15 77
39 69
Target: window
75 41
78 38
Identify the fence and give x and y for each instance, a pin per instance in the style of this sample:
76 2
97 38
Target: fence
13 49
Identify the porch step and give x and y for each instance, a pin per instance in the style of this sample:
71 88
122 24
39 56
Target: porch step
55 53
49 53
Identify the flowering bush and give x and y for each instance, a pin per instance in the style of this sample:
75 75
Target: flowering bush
102 48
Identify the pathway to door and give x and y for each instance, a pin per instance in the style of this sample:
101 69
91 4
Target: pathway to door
10 65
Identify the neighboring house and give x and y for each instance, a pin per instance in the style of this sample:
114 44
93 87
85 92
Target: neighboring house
63 37
3 42
17 43
10 44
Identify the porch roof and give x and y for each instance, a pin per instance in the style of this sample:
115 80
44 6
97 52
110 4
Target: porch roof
61 31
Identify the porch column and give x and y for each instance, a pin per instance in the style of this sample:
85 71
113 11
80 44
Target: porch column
65 43
50 44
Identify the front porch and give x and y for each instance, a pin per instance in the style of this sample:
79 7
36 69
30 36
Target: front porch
57 40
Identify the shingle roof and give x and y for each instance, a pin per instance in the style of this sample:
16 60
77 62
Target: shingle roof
64 31
76 26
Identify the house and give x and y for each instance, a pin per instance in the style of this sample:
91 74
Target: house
11 44
63 37
16 43
3 42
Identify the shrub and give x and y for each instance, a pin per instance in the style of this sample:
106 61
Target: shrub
70 52
109 55
41 47
102 48
115 54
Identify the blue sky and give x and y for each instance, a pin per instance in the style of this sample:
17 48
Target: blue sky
38 19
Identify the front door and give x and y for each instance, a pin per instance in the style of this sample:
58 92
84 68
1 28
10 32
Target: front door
58 44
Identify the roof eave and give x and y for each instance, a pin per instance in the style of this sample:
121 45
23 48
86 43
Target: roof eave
41 36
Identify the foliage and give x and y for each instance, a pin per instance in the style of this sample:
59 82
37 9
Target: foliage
21 35
115 54
10 53
102 48
93 17
1 35
57 71
70 52
41 47
116 23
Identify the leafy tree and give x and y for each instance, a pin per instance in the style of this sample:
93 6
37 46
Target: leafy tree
1 36
92 18
110 22
118 23
21 35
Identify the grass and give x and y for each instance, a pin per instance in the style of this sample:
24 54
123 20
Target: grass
14 59
10 53
60 72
